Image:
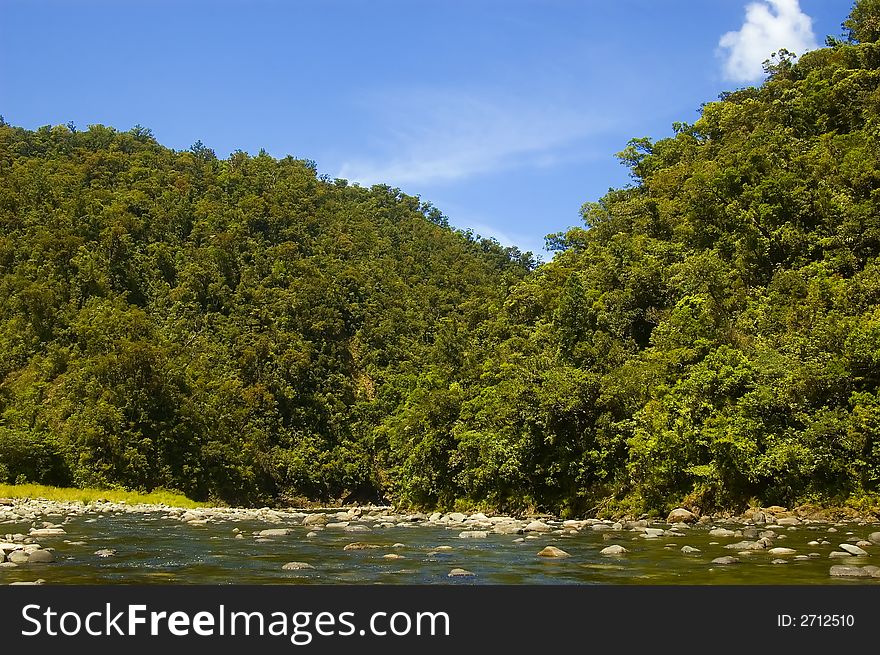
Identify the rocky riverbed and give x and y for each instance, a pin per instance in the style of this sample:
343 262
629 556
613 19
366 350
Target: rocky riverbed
62 543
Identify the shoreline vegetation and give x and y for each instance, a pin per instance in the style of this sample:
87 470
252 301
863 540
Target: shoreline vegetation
868 510
72 494
249 332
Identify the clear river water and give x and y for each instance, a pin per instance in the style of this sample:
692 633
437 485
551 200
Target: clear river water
157 548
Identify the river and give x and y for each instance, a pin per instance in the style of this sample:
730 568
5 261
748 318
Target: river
220 547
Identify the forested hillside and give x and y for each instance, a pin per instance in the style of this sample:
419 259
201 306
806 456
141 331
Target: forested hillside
710 337
241 329
231 329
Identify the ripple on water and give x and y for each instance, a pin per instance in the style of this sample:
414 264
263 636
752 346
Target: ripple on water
162 549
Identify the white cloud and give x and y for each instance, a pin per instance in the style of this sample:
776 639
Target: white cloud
440 136
769 26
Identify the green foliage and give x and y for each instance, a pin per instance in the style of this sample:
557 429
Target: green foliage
711 338
242 329
236 329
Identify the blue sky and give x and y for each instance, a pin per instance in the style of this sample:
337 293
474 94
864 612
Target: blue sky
505 114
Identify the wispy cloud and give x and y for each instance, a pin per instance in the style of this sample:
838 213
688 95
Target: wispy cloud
432 136
506 238
769 25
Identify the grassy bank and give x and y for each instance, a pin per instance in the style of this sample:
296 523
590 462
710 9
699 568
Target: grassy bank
89 495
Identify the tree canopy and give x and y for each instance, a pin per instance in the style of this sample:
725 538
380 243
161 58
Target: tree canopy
243 329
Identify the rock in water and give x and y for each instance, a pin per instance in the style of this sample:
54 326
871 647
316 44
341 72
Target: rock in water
689 550
18 557
473 534
359 545
553 551
782 551
853 549
105 552
721 532
459 573
613 550
681 515
41 557
747 545
296 566
275 532
46 532
724 561
849 572
316 519
874 538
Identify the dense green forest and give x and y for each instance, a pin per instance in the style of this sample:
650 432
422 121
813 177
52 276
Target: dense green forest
245 330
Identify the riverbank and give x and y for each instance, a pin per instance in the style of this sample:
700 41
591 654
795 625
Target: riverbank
72 494
866 509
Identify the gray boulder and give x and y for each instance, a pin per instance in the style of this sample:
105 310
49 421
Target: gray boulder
853 549
849 572
297 566
41 557
275 532
553 551
725 561
681 515
460 573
